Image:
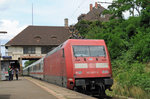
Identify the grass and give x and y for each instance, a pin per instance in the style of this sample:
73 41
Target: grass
147 68
125 92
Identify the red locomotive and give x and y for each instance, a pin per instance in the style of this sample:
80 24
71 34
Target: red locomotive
79 64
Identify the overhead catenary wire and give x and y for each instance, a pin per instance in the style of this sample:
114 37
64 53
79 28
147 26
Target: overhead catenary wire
81 4
74 3
105 2
77 8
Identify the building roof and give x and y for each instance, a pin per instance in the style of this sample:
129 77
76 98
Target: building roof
95 14
40 36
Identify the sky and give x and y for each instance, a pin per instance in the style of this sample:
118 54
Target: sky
16 15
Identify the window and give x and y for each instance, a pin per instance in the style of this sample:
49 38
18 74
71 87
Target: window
37 38
89 51
97 50
45 49
34 68
29 50
81 51
38 67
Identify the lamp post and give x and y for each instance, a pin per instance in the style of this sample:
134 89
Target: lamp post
1 32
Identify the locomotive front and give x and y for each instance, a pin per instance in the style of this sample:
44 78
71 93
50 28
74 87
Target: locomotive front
91 67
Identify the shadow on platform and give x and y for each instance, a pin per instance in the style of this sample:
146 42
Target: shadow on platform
5 96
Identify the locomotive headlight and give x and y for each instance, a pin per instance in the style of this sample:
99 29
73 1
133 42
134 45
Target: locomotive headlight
105 71
80 65
70 79
101 65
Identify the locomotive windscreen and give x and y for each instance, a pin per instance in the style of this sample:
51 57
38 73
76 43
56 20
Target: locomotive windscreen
89 51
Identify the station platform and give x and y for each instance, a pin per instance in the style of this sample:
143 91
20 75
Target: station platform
30 88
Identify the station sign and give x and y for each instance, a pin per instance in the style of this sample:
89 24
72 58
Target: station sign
7 57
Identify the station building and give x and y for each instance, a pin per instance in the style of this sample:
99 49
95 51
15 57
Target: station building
35 42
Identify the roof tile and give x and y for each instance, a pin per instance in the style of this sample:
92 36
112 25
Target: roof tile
41 35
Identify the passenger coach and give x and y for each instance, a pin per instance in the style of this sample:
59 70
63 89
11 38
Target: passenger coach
35 69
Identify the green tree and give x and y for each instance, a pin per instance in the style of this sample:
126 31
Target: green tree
29 62
119 7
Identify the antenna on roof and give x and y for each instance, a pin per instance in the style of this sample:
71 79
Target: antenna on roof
32 13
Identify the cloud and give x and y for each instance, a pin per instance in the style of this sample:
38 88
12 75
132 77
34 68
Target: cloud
6 1
3 5
46 12
53 13
12 27
3 1
6 4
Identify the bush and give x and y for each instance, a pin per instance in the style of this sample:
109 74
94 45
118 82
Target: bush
128 42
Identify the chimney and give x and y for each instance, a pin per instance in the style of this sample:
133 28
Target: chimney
96 5
66 22
91 7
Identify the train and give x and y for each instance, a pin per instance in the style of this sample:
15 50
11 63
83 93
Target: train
77 64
